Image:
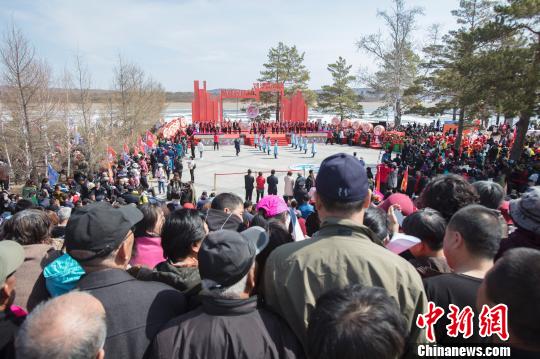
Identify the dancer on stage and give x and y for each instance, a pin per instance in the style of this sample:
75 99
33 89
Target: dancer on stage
293 138
269 147
313 148
275 149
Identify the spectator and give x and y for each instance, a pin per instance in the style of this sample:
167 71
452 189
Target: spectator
272 181
99 237
288 189
161 177
191 167
230 323
31 228
200 148
226 212
11 258
514 281
202 200
377 220
491 194
300 190
174 186
59 230
310 180
181 238
447 194
429 227
278 218
356 322
248 184
525 213
70 326
260 186
341 199
147 250
305 208
470 244
247 215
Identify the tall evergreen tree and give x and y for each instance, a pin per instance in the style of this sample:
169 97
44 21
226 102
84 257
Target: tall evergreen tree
513 38
340 97
285 64
452 80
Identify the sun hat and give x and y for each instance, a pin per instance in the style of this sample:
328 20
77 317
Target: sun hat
525 211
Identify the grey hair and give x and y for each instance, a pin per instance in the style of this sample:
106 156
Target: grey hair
64 213
71 326
234 291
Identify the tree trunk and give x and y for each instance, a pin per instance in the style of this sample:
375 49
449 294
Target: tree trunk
461 122
521 133
278 100
498 118
397 114
454 113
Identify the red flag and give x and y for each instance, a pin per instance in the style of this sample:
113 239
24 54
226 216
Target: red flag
405 180
150 139
126 149
111 153
110 172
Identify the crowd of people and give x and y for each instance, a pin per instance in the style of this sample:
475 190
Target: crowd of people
343 263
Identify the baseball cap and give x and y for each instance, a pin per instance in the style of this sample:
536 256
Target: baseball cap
226 256
99 228
272 205
11 258
342 177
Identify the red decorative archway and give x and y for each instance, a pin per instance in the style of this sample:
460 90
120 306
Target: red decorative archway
208 108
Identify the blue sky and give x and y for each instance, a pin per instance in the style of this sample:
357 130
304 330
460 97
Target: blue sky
222 41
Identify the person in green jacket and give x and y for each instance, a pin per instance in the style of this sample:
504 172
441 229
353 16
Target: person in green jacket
29 191
343 252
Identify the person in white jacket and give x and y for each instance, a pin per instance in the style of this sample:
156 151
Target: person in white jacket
200 147
288 191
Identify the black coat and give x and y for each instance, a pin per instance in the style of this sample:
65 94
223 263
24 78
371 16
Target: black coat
249 181
272 181
227 328
136 310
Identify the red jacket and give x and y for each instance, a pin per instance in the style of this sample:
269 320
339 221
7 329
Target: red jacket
260 182
216 138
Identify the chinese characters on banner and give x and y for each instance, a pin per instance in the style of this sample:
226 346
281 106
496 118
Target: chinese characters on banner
492 321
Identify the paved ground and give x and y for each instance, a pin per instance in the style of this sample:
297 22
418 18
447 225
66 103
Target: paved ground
225 161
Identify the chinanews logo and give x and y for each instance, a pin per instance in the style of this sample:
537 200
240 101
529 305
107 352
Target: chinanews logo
491 321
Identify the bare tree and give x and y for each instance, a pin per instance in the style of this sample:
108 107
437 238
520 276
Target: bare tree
138 99
83 100
26 97
395 56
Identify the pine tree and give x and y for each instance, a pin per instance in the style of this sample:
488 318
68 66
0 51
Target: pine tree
285 64
340 97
